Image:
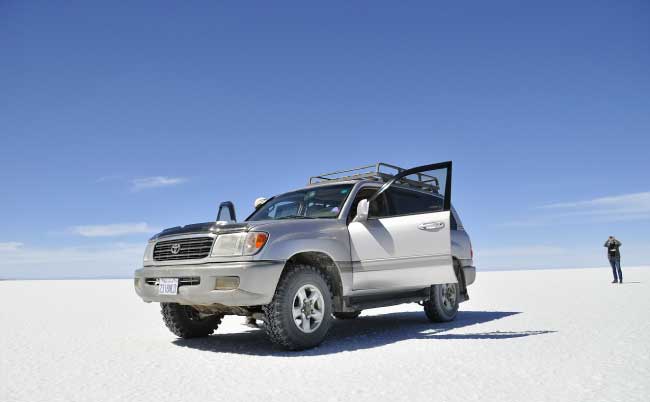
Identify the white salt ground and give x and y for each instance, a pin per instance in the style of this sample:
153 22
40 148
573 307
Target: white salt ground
552 335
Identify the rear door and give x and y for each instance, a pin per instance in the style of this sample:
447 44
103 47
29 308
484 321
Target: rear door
409 247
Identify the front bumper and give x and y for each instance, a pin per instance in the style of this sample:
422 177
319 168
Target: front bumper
257 282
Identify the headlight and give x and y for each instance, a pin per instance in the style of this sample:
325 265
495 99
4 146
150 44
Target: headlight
228 245
148 252
237 244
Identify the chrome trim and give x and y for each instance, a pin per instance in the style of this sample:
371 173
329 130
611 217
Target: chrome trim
182 281
192 248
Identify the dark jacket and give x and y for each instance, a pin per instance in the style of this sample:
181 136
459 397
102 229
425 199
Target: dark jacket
613 248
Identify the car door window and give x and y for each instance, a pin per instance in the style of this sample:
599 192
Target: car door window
407 202
378 208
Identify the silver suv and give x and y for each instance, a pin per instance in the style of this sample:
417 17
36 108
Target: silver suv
351 240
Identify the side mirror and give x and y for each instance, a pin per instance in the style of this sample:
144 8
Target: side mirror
362 211
226 212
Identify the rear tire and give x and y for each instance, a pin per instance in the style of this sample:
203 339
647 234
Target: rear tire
300 314
346 315
186 322
443 305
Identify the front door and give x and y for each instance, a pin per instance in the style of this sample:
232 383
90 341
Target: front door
406 242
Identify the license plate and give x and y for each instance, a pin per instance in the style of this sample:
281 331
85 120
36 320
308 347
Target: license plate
167 286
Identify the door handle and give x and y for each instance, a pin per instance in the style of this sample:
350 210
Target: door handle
431 225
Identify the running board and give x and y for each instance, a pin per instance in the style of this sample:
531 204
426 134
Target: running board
357 303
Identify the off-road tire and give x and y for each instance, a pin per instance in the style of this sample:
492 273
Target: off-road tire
280 325
439 308
184 321
346 315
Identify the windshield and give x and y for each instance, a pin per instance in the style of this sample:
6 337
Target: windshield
320 202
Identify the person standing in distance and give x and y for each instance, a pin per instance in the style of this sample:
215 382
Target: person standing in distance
614 256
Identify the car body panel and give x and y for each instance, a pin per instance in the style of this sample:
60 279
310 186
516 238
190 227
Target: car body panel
393 253
256 287
415 260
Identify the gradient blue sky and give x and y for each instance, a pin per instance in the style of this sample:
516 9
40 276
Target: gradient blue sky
118 119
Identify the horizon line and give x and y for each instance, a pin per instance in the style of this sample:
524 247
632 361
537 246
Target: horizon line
121 277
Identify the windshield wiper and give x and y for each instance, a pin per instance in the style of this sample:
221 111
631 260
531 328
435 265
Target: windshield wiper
295 217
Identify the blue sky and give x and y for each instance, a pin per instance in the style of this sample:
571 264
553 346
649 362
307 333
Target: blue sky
121 119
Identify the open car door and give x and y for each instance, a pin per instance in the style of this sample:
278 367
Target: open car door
409 244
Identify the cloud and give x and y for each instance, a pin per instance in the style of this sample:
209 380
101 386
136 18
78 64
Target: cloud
114 229
144 183
633 203
617 208
107 260
10 246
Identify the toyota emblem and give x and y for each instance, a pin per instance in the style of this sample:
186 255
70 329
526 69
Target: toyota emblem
176 248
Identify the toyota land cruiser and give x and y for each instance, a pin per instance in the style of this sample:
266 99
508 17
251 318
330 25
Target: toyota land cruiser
350 240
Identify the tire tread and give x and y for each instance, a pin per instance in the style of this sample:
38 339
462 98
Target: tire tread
276 331
176 321
434 310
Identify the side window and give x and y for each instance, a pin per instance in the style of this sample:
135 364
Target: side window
378 208
406 202
453 223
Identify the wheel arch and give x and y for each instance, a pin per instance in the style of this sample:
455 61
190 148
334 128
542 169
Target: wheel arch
326 265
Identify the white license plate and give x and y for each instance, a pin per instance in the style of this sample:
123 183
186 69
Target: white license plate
167 286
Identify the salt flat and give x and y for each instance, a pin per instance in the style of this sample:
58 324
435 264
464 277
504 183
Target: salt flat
551 335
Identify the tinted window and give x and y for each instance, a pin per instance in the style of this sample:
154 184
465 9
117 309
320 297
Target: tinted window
405 202
378 208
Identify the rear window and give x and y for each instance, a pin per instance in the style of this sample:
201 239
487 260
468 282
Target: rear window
405 202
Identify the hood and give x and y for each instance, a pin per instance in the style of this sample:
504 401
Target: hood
205 227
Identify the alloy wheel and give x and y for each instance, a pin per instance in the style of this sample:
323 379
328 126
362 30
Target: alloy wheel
449 296
308 308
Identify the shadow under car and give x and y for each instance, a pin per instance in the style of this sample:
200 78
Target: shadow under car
365 332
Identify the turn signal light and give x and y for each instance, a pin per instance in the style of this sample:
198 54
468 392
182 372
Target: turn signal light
254 242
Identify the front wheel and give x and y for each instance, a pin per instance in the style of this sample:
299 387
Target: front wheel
300 313
186 322
443 304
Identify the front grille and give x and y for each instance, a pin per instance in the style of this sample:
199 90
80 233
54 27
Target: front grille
190 249
185 281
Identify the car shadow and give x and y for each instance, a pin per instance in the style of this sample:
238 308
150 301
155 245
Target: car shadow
365 332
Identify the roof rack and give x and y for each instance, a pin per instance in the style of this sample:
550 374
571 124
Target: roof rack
381 172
